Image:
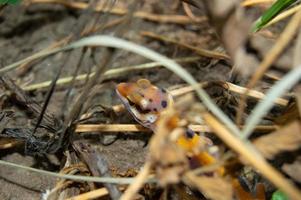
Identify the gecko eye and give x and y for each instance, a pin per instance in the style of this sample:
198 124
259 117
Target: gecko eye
151 118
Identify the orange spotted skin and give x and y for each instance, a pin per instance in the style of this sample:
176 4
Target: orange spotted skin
144 101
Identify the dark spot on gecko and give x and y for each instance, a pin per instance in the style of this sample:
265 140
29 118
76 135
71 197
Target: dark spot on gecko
164 104
155 109
150 100
189 133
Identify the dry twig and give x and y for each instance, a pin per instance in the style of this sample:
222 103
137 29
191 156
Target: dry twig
255 2
199 51
287 138
178 19
98 193
88 128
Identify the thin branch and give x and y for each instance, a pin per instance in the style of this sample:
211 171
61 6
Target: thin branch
91 194
177 19
255 2
111 128
199 51
109 73
72 177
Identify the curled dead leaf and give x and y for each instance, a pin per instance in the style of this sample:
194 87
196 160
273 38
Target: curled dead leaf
170 161
287 138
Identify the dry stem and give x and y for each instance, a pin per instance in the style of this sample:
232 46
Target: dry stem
178 19
84 128
255 2
91 194
199 51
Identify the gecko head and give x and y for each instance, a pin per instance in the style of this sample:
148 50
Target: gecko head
144 100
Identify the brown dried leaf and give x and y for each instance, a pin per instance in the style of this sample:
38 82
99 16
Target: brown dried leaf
215 188
293 170
170 163
169 160
287 138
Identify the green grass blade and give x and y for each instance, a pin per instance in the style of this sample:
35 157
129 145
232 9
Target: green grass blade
274 10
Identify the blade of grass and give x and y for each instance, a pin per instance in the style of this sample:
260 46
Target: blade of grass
28 59
283 15
287 82
109 73
73 177
114 42
268 15
110 41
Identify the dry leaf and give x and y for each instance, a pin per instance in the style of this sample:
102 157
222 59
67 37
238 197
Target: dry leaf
293 170
170 163
215 188
287 138
169 160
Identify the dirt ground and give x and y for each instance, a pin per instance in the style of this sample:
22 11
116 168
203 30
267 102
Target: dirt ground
27 29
